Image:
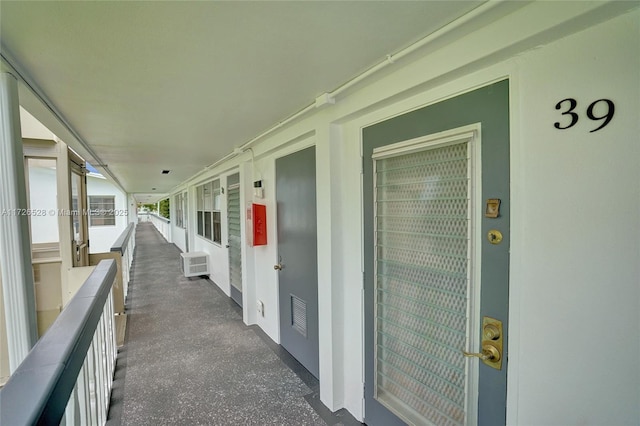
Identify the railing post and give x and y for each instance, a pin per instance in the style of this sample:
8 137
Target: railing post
124 245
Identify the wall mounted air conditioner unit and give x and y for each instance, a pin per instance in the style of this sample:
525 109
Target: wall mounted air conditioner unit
195 264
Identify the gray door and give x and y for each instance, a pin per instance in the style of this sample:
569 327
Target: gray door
421 254
233 243
297 254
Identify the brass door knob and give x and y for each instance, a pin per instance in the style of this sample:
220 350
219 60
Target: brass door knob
492 343
277 267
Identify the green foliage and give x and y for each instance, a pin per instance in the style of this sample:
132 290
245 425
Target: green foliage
164 208
150 207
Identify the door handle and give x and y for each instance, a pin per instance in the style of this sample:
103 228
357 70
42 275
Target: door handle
492 344
489 353
278 266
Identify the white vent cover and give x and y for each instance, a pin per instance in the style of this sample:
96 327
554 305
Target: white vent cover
195 264
299 315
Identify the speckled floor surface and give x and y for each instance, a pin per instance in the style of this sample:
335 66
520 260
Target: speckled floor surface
189 359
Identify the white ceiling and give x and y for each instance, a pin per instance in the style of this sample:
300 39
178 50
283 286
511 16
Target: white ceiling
177 85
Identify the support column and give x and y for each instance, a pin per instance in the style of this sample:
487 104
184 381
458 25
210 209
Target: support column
132 209
330 255
15 247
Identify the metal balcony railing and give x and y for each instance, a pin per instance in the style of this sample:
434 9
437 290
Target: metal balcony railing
67 376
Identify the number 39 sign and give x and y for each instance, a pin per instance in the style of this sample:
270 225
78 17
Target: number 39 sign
571 105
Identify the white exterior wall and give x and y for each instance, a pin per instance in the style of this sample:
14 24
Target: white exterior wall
133 209
575 233
578 233
32 128
42 186
43 194
101 238
178 234
218 253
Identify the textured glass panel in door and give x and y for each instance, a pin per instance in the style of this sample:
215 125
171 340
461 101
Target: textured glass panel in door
235 260
422 234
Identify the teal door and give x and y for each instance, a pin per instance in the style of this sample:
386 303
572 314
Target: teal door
431 274
297 254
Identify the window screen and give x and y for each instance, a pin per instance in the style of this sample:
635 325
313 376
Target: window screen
102 210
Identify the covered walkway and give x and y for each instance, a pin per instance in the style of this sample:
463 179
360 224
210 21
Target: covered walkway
188 358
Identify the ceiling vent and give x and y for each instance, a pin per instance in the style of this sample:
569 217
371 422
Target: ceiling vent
166 172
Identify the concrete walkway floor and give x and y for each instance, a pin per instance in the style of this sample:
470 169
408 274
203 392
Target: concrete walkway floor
189 359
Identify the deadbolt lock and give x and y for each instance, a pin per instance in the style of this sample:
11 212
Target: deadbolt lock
491 332
494 236
492 343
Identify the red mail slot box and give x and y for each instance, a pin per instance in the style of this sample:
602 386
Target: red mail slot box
259 224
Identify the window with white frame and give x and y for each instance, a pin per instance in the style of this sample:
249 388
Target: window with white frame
179 203
208 198
102 210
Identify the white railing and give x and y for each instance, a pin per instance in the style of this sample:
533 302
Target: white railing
67 376
89 401
162 225
125 245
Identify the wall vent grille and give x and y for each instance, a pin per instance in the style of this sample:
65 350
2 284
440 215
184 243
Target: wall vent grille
299 315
